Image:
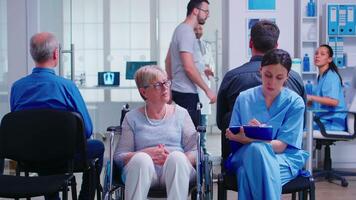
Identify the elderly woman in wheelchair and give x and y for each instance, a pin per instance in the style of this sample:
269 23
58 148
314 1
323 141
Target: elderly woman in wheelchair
157 147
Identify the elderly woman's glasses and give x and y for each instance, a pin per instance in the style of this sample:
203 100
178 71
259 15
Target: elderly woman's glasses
159 85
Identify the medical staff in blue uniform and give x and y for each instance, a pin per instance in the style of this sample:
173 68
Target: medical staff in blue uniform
328 94
263 167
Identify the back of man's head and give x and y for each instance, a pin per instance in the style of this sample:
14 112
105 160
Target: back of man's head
194 4
264 36
42 46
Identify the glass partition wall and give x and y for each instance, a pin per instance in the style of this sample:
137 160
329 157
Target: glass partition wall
102 35
4 102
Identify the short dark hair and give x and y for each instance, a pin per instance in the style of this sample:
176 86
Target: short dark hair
264 35
277 56
194 4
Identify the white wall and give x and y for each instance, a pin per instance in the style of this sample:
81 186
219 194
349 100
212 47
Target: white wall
236 30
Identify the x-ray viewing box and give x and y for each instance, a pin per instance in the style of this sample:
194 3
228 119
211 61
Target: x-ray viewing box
108 78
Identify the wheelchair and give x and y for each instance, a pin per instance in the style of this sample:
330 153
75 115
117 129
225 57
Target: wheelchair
113 186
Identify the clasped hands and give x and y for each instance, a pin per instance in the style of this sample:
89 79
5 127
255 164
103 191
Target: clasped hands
158 154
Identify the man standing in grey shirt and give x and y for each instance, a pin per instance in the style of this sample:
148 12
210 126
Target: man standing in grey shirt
182 58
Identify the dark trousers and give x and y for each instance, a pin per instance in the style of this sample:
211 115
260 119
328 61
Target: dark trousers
95 150
188 101
1 165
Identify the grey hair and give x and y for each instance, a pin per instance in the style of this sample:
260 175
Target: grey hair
42 45
146 75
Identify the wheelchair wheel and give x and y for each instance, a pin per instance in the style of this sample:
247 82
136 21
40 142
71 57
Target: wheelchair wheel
208 178
106 184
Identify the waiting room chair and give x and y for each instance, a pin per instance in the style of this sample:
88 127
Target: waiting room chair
113 183
45 141
300 185
327 138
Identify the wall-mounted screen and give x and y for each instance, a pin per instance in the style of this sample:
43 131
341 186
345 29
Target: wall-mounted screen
133 66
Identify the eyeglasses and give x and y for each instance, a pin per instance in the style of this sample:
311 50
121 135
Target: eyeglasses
159 85
206 11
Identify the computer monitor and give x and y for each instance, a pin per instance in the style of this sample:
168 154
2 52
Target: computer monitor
133 66
108 78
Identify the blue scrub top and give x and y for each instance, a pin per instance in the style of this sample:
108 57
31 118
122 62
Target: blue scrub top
285 115
329 85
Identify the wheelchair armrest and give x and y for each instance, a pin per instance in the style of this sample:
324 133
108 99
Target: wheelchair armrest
113 128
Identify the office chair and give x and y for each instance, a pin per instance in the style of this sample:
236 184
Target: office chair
45 141
113 183
328 138
227 181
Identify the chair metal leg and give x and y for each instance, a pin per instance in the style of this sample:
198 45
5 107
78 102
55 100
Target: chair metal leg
74 188
312 193
293 196
222 192
99 189
65 192
302 195
193 195
92 181
122 195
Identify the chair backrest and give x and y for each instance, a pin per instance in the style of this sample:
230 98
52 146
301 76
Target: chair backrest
350 99
42 139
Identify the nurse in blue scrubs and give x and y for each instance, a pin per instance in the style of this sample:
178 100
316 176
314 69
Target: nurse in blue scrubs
263 167
328 94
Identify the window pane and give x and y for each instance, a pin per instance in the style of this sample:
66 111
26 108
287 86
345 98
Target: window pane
120 11
140 10
93 36
120 36
3 43
88 39
140 36
130 41
4 108
78 11
93 11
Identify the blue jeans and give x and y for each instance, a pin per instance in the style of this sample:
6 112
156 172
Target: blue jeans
95 150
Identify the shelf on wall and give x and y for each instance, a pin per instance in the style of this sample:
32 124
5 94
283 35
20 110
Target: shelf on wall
311 73
310 18
344 36
310 41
